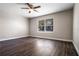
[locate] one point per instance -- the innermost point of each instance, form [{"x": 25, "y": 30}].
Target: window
[
  {"x": 41, "y": 25},
  {"x": 45, "y": 25}
]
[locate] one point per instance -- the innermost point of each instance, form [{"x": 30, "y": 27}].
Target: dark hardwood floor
[{"x": 36, "y": 47}]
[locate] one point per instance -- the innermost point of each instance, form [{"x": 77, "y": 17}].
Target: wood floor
[{"x": 36, "y": 47}]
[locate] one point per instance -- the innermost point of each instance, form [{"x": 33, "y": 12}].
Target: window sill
[{"x": 45, "y": 31}]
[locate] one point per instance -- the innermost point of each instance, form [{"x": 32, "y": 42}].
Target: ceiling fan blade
[
  {"x": 35, "y": 10},
  {"x": 24, "y": 8},
  {"x": 25, "y": 3},
  {"x": 29, "y": 5},
  {"x": 37, "y": 7}
]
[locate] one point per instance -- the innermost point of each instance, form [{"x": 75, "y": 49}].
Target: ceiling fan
[{"x": 31, "y": 7}]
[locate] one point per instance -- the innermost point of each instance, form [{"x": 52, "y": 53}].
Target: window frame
[{"x": 44, "y": 26}]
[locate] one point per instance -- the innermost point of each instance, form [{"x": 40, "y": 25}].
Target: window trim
[{"x": 44, "y": 27}]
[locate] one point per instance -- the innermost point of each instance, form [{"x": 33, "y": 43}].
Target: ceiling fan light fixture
[{"x": 31, "y": 7}]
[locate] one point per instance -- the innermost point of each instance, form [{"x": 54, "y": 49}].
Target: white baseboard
[
  {"x": 12, "y": 38},
  {"x": 68, "y": 40},
  {"x": 76, "y": 47},
  {"x": 38, "y": 37}
]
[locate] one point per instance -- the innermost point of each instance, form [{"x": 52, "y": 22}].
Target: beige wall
[
  {"x": 13, "y": 28},
  {"x": 62, "y": 26},
  {"x": 76, "y": 27},
  {"x": 12, "y": 25}
]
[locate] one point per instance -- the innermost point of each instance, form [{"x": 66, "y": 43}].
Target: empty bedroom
[{"x": 39, "y": 29}]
